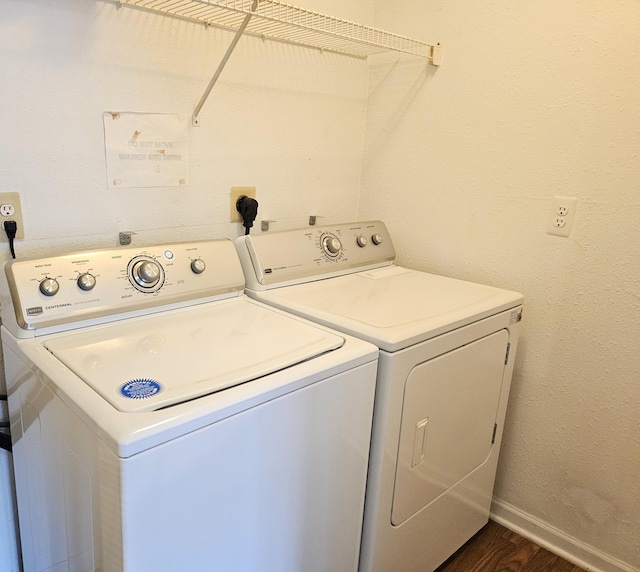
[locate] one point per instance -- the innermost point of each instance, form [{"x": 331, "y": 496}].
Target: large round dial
[
  {"x": 331, "y": 245},
  {"x": 49, "y": 286},
  {"x": 146, "y": 274}
]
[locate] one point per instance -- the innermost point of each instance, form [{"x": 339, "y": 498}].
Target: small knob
[
  {"x": 146, "y": 273},
  {"x": 332, "y": 245},
  {"x": 86, "y": 281},
  {"x": 49, "y": 286},
  {"x": 198, "y": 266},
  {"x": 362, "y": 241},
  {"x": 377, "y": 239}
]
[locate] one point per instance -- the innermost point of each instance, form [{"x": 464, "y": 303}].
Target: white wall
[
  {"x": 286, "y": 120},
  {"x": 534, "y": 99}
]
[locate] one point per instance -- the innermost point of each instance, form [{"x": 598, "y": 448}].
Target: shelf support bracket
[
  {"x": 435, "y": 54},
  {"x": 195, "y": 121}
]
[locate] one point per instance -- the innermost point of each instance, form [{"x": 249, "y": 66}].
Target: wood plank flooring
[{"x": 497, "y": 549}]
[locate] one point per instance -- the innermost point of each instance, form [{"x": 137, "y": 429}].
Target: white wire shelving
[{"x": 276, "y": 20}]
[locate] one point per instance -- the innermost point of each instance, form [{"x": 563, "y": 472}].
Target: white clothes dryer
[
  {"x": 444, "y": 372},
  {"x": 162, "y": 421}
]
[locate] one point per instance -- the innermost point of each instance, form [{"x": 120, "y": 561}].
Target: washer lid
[
  {"x": 392, "y": 307},
  {"x": 156, "y": 361}
]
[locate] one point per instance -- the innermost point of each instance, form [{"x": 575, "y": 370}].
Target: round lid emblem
[{"x": 142, "y": 388}]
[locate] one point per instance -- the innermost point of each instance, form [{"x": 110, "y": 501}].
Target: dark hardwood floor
[{"x": 497, "y": 549}]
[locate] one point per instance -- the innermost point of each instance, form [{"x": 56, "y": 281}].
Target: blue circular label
[{"x": 140, "y": 388}]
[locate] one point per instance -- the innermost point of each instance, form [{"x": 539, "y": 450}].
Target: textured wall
[
  {"x": 286, "y": 120},
  {"x": 532, "y": 100}
]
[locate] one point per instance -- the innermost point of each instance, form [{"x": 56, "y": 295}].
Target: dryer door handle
[{"x": 419, "y": 442}]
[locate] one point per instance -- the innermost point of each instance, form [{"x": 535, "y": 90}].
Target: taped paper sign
[{"x": 146, "y": 149}]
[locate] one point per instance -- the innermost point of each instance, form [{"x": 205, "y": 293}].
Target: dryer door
[{"x": 449, "y": 412}]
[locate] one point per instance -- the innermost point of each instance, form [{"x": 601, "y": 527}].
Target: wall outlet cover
[
  {"x": 10, "y": 209},
  {"x": 563, "y": 209}
]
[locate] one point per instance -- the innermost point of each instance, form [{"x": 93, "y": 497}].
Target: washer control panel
[
  {"x": 273, "y": 258},
  {"x": 60, "y": 290}
]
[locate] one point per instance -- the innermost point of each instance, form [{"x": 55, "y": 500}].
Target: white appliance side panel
[
  {"x": 450, "y": 406},
  {"x": 67, "y": 482},
  {"x": 9, "y": 558},
  {"x": 279, "y": 487}
]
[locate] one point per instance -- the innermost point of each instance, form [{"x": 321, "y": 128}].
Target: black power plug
[
  {"x": 248, "y": 209},
  {"x": 11, "y": 228}
]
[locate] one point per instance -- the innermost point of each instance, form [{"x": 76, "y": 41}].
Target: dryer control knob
[
  {"x": 146, "y": 273},
  {"x": 86, "y": 281},
  {"x": 362, "y": 241},
  {"x": 377, "y": 239},
  {"x": 198, "y": 266},
  {"x": 49, "y": 286},
  {"x": 331, "y": 245}
]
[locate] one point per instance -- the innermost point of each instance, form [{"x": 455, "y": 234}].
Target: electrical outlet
[
  {"x": 234, "y": 194},
  {"x": 10, "y": 209},
  {"x": 563, "y": 209}
]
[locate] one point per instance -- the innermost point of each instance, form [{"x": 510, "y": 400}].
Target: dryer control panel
[
  {"x": 55, "y": 292},
  {"x": 301, "y": 255}
]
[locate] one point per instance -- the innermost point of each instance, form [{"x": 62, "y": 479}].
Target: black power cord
[
  {"x": 5, "y": 438},
  {"x": 5, "y": 441},
  {"x": 248, "y": 209},
  {"x": 11, "y": 228}
]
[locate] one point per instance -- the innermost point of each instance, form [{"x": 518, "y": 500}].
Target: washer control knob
[
  {"x": 198, "y": 266},
  {"x": 146, "y": 273},
  {"x": 362, "y": 241},
  {"x": 377, "y": 239},
  {"x": 49, "y": 286},
  {"x": 86, "y": 281}
]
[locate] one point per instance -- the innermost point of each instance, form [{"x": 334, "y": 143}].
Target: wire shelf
[{"x": 283, "y": 22}]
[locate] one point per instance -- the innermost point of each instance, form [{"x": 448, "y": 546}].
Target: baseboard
[{"x": 554, "y": 540}]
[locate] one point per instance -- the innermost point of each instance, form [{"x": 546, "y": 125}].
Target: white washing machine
[
  {"x": 446, "y": 357},
  {"x": 162, "y": 421}
]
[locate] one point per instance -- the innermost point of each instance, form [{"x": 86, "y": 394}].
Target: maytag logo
[{"x": 35, "y": 311}]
